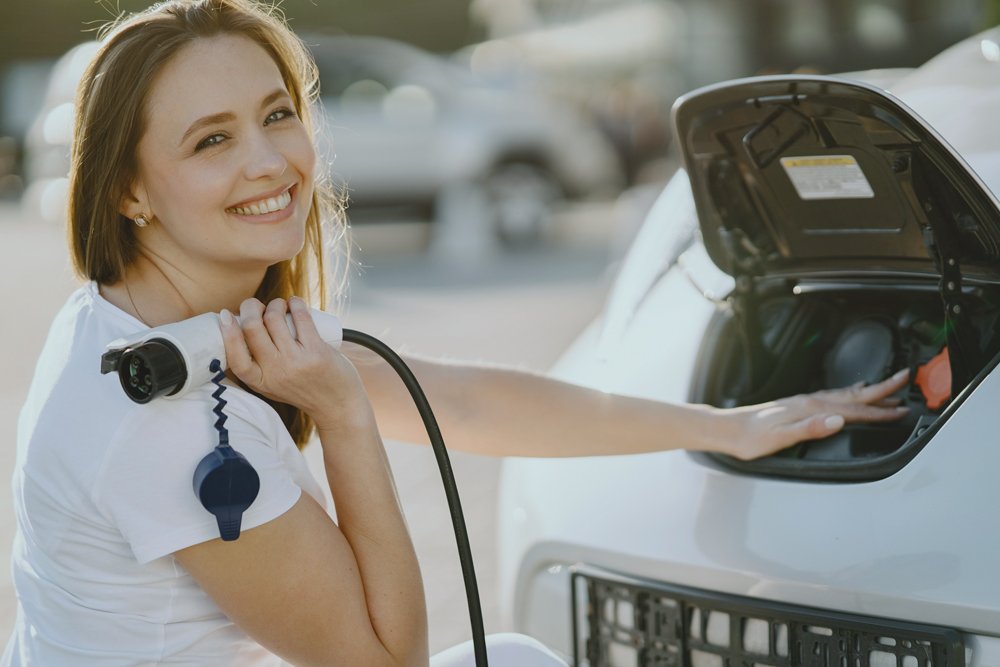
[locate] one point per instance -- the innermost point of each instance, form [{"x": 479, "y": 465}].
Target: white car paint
[{"x": 918, "y": 545}]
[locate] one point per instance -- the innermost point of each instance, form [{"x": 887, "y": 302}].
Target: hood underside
[{"x": 796, "y": 175}]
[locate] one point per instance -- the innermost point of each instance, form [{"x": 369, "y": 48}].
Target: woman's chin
[
  {"x": 264, "y": 260},
  {"x": 283, "y": 248}
]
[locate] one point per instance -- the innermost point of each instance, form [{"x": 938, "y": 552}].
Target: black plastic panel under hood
[{"x": 795, "y": 175}]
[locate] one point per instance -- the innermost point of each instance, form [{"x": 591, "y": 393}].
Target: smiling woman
[{"x": 193, "y": 190}]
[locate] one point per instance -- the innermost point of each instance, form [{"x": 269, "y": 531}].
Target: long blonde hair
[{"x": 109, "y": 123}]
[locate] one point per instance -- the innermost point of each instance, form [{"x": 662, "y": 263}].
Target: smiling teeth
[{"x": 265, "y": 205}]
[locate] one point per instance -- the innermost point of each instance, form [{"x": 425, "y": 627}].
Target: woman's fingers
[
  {"x": 890, "y": 402},
  {"x": 305, "y": 328},
  {"x": 298, "y": 369},
  {"x": 870, "y": 393},
  {"x": 258, "y": 339},
  {"x": 277, "y": 326},
  {"x": 870, "y": 413},
  {"x": 886, "y": 387},
  {"x": 238, "y": 356},
  {"x": 819, "y": 415},
  {"x": 810, "y": 428},
  {"x": 873, "y": 403}
]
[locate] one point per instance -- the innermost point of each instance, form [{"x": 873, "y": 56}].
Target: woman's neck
[{"x": 157, "y": 292}]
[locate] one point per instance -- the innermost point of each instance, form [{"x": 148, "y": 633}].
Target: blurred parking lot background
[{"x": 498, "y": 156}]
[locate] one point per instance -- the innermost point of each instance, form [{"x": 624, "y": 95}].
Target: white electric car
[{"x": 823, "y": 231}]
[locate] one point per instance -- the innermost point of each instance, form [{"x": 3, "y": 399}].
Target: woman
[{"x": 193, "y": 190}]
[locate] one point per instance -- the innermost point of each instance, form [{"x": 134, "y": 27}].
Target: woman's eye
[
  {"x": 211, "y": 140},
  {"x": 279, "y": 114}
]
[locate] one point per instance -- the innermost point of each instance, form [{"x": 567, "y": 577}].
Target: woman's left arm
[{"x": 505, "y": 412}]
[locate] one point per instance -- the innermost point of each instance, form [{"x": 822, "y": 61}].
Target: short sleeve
[{"x": 145, "y": 484}]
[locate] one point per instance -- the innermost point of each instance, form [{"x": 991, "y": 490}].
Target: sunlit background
[{"x": 498, "y": 156}]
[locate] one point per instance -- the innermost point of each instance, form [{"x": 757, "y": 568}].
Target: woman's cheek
[{"x": 305, "y": 154}]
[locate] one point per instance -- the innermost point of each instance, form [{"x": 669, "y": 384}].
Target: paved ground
[{"x": 436, "y": 303}]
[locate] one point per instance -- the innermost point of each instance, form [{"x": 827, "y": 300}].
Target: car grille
[{"x": 619, "y": 621}]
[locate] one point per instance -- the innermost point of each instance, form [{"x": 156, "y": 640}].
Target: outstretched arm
[{"x": 504, "y": 412}]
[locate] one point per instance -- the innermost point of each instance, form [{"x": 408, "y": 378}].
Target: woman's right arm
[
  {"x": 308, "y": 589},
  {"x": 496, "y": 411}
]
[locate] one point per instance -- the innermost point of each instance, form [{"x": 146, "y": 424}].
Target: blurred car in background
[
  {"x": 823, "y": 232},
  {"x": 47, "y": 144},
  {"x": 22, "y": 89},
  {"x": 410, "y": 131},
  {"x": 623, "y": 63}
]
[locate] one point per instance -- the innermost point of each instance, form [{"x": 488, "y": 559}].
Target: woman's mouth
[{"x": 264, "y": 206}]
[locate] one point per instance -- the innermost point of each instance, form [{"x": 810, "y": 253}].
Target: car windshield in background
[{"x": 346, "y": 62}]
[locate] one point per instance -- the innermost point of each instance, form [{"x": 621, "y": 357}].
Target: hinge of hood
[
  {"x": 963, "y": 348},
  {"x": 746, "y": 268}
]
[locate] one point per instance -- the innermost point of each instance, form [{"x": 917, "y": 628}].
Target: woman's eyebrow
[
  {"x": 276, "y": 94},
  {"x": 223, "y": 117},
  {"x": 227, "y": 116}
]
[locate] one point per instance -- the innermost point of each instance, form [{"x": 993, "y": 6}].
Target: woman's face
[{"x": 225, "y": 165}]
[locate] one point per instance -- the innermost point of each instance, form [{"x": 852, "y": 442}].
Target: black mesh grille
[{"x": 619, "y": 621}]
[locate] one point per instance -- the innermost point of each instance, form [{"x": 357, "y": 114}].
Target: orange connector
[{"x": 934, "y": 380}]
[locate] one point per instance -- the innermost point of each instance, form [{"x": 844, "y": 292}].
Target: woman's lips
[
  {"x": 261, "y": 206},
  {"x": 267, "y": 209}
]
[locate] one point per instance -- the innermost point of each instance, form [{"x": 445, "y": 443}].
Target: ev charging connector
[{"x": 171, "y": 360}]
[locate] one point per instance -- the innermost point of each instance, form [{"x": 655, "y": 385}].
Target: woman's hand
[
  {"x": 301, "y": 370},
  {"x": 759, "y": 430}
]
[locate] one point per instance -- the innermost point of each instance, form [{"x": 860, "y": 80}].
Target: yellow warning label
[
  {"x": 827, "y": 177},
  {"x": 841, "y": 160}
]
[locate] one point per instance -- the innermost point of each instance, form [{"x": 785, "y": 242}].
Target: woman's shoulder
[
  {"x": 144, "y": 483},
  {"x": 202, "y": 408},
  {"x": 87, "y": 298},
  {"x": 87, "y": 321}
]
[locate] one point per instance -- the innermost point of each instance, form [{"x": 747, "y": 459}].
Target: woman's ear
[{"x": 132, "y": 203}]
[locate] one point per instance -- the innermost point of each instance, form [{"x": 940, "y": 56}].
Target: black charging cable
[{"x": 447, "y": 478}]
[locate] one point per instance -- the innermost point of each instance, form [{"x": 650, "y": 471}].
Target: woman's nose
[{"x": 265, "y": 159}]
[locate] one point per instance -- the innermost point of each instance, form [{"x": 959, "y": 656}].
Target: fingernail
[
  {"x": 902, "y": 410},
  {"x": 834, "y": 422},
  {"x": 296, "y": 303},
  {"x": 226, "y": 317},
  {"x": 901, "y": 374}
]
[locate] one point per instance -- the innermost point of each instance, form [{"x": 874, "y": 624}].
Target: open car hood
[{"x": 812, "y": 175}]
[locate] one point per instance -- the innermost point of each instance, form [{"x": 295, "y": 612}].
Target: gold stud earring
[{"x": 140, "y": 220}]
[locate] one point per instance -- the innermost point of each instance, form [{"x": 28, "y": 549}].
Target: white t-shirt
[{"x": 103, "y": 496}]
